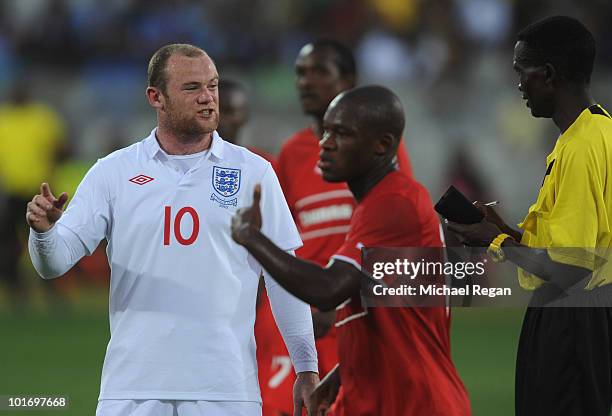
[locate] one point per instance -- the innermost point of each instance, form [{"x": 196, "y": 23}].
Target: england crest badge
[{"x": 226, "y": 184}]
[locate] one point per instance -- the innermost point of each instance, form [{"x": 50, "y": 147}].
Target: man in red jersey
[
  {"x": 393, "y": 361},
  {"x": 322, "y": 210}
]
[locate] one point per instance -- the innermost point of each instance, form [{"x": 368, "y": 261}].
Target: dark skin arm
[
  {"x": 324, "y": 288},
  {"x": 322, "y": 322},
  {"x": 534, "y": 261}
]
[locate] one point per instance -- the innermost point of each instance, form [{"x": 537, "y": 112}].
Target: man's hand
[
  {"x": 477, "y": 235},
  {"x": 45, "y": 209},
  {"x": 303, "y": 387},
  {"x": 325, "y": 394},
  {"x": 248, "y": 219},
  {"x": 492, "y": 216}
]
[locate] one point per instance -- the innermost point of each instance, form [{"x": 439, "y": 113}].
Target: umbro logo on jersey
[{"x": 141, "y": 179}]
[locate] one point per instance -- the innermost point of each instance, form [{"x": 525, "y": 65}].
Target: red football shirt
[
  {"x": 395, "y": 361},
  {"x": 322, "y": 212}
]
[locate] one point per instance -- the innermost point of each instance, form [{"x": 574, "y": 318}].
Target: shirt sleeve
[
  {"x": 578, "y": 214},
  {"x": 294, "y": 320},
  {"x": 78, "y": 232},
  {"x": 89, "y": 212},
  {"x": 277, "y": 222},
  {"x": 54, "y": 252}
]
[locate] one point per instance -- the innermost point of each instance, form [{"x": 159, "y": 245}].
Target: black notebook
[{"x": 454, "y": 206}]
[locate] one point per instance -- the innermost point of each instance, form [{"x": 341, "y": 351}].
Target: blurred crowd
[
  {"x": 404, "y": 39},
  {"x": 72, "y": 79}
]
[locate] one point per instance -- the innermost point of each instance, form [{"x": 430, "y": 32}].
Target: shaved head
[
  {"x": 377, "y": 109},
  {"x": 362, "y": 128}
]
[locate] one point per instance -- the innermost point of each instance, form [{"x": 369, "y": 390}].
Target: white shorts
[{"x": 176, "y": 408}]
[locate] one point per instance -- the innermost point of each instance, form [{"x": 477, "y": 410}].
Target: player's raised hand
[
  {"x": 248, "y": 219},
  {"x": 45, "y": 209}
]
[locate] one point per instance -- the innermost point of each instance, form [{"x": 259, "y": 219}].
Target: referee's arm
[
  {"x": 539, "y": 263},
  {"x": 533, "y": 260}
]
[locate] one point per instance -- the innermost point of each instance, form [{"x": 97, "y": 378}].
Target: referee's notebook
[{"x": 456, "y": 207}]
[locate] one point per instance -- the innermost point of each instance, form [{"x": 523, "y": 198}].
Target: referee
[{"x": 564, "y": 354}]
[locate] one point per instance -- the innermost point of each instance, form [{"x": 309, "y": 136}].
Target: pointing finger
[
  {"x": 256, "y": 194},
  {"x": 45, "y": 191}
]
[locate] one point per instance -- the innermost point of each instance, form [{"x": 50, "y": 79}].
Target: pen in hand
[{"x": 487, "y": 204}]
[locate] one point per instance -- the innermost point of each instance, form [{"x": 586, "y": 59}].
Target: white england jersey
[{"x": 182, "y": 295}]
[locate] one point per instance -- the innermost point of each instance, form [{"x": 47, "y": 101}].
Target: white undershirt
[{"x": 184, "y": 163}]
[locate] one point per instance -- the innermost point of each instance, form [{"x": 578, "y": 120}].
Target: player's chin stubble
[{"x": 188, "y": 129}]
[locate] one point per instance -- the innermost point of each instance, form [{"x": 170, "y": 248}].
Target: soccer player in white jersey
[{"x": 182, "y": 295}]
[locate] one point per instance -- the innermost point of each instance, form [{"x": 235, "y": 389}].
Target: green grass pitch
[{"x": 45, "y": 353}]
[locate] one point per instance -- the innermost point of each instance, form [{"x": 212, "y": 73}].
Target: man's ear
[
  {"x": 156, "y": 98},
  {"x": 384, "y": 144},
  {"x": 550, "y": 74},
  {"x": 348, "y": 82}
]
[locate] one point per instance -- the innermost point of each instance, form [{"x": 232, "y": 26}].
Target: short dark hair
[
  {"x": 563, "y": 42},
  {"x": 378, "y": 110},
  {"x": 345, "y": 61},
  {"x": 156, "y": 72}
]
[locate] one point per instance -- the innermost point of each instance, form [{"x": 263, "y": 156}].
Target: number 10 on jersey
[{"x": 177, "y": 225}]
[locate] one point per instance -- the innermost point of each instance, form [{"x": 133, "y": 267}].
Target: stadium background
[{"x": 449, "y": 60}]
